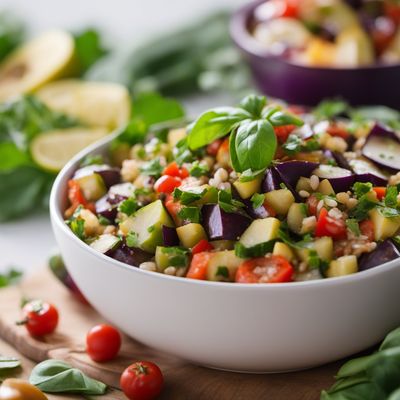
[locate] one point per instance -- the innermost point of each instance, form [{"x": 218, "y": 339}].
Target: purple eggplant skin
[
  {"x": 385, "y": 251},
  {"x": 382, "y": 130},
  {"x": 338, "y": 158},
  {"x": 370, "y": 177},
  {"x": 291, "y": 171},
  {"x": 272, "y": 180},
  {"x": 131, "y": 256},
  {"x": 220, "y": 225},
  {"x": 106, "y": 209},
  {"x": 111, "y": 175},
  {"x": 169, "y": 235},
  {"x": 341, "y": 179},
  {"x": 342, "y": 184},
  {"x": 256, "y": 213}
]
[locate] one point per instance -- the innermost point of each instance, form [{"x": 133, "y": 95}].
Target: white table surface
[{"x": 27, "y": 243}]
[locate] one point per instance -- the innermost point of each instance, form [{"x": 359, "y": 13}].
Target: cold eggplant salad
[{"x": 258, "y": 193}]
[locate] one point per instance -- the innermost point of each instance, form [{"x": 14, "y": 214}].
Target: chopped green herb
[
  {"x": 257, "y": 200},
  {"x": 360, "y": 211},
  {"x": 151, "y": 228},
  {"x": 152, "y": 168},
  {"x": 177, "y": 256},
  {"x": 360, "y": 188},
  {"x": 128, "y": 206},
  {"x": 329, "y": 109},
  {"x": 391, "y": 196},
  {"x": 191, "y": 214},
  {"x": 188, "y": 196},
  {"x": 388, "y": 212},
  {"x": 258, "y": 250},
  {"x": 132, "y": 239},
  {"x": 228, "y": 204},
  {"x": 352, "y": 225},
  {"x": 103, "y": 220},
  {"x": 182, "y": 153},
  {"x": 11, "y": 277},
  {"x": 78, "y": 227},
  {"x": 197, "y": 170},
  {"x": 294, "y": 144},
  {"x": 249, "y": 175},
  {"x": 222, "y": 271}
]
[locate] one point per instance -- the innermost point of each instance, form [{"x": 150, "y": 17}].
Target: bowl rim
[
  {"x": 247, "y": 43},
  {"x": 102, "y": 144}
]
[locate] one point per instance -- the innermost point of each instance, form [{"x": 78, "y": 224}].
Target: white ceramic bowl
[{"x": 240, "y": 327}]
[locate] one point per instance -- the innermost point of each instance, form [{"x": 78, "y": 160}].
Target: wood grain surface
[{"x": 183, "y": 381}]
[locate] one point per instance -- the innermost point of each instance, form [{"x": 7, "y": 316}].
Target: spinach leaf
[
  {"x": 55, "y": 376},
  {"x": 214, "y": 124},
  {"x": 9, "y": 363},
  {"x": 255, "y": 145}
]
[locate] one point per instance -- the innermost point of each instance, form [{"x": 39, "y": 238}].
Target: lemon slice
[
  {"x": 94, "y": 103},
  {"x": 52, "y": 150},
  {"x": 44, "y": 58}
]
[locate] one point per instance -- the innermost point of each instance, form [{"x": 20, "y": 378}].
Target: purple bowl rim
[{"x": 248, "y": 44}]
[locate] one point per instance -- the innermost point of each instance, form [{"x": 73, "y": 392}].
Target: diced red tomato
[
  {"x": 173, "y": 169},
  {"x": 337, "y": 130},
  {"x": 383, "y": 34},
  {"x": 167, "y": 184},
  {"x": 198, "y": 266},
  {"x": 312, "y": 204},
  {"x": 212, "y": 148},
  {"x": 283, "y": 132},
  {"x": 380, "y": 192},
  {"x": 367, "y": 229},
  {"x": 392, "y": 10},
  {"x": 76, "y": 198},
  {"x": 328, "y": 226},
  {"x": 223, "y": 157},
  {"x": 269, "y": 269},
  {"x": 269, "y": 209},
  {"x": 203, "y": 245},
  {"x": 286, "y": 8},
  {"x": 173, "y": 208}
]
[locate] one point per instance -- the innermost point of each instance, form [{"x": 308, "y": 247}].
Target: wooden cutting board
[{"x": 182, "y": 380}]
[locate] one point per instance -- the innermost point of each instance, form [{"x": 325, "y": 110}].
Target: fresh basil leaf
[
  {"x": 12, "y": 157},
  {"x": 391, "y": 340},
  {"x": 9, "y": 363},
  {"x": 257, "y": 200},
  {"x": 214, "y": 124},
  {"x": 254, "y": 105},
  {"x": 352, "y": 224},
  {"x": 89, "y": 48},
  {"x": 232, "y": 151},
  {"x": 280, "y": 118},
  {"x": 395, "y": 395},
  {"x": 249, "y": 175},
  {"x": 329, "y": 109},
  {"x": 191, "y": 214},
  {"x": 55, "y": 376},
  {"x": 10, "y": 277},
  {"x": 363, "y": 391},
  {"x": 259, "y": 250},
  {"x": 255, "y": 145}
]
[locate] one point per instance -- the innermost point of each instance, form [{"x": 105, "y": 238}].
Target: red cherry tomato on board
[
  {"x": 142, "y": 380},
  {"x": 167, "y": 184},
  {"x": 269, "y": 269},
  {"x": 103, "y": 343},
  {"x": 328, "y": 226},
  {"x": 40, "y": 318}
]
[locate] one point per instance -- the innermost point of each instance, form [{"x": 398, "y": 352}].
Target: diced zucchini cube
[
  {"x": 191, "y": 234},
  {"x": 280, "y": 200},
  {"x": 247, "y": 189},
  {"x": 223, "y": 265},
  {"x": 260, "y": 231},
  {"x": 282, "y": 249},
  {"x": 345, "y": 265},
  {"x": 295, "y": 217},
  {"x": 325, "y": 188},
  {"x": 383, "y": 227},
  {"x": 170, "y": 257},
  {"x": 323, "y": 246},
  {"x": 92, "y": 186}
]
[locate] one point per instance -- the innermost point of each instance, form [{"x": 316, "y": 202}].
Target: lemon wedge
[
  {"x": 94, "y": 103},
  {"x": 52, "y": 150},
  {"x": 47, "y": 57}
]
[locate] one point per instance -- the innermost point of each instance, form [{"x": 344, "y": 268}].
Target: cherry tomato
[
  {"x": 198, "y": 266},
  {"x": 212, "y": 148},
  {"x": 283, "y": 132},
  {"x": 39, "y": 317},
  {"x": 312, "y": 204},
  {"x": 103, "y": 343},
  {"x": 367, "y": 229},
  {"x": 142, "y": 380},
  {"x": 203, "y": 245},
  {"x": 173, "y": 169},
  {"x": 268, "y": 269},
  {"x": 167, "y": 184},
  {"x": 328, "y": 226},
  {"x": 380, "y": 192}
]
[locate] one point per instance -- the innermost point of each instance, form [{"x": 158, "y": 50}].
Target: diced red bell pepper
[
  {"x": 201, "y": 246},
  {"x": 328, "y": 226},
  {"x": 198, "y": 266}
]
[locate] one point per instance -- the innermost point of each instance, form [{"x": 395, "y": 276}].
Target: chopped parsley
[
  {"x": 191, "y": 214},
  {"x": 103, "y": 220},
  {"x": 186, "y": 197},
  {"x": 259, "y": 250},
  {"x": 352, "y": 225},
  {"x": 249, "y": 175},
  {"x": 360, "y": 188},
  {"x": 77, "y": 224},
  {"x": 197, "y": 170},
  {"x": 152, "y": 168},
  {"x": 294, "y": 144},
  {"x": 177, "y": 256},
  {"x": 257, "y": 200},
  {"x": 222, "y": 271},
  {"x": 228, "y": 204},
  {"x": 128, "y": 206},
  {"x": 132, "y": 239},
  {"x": 151, "y": 228},
  {"x": 391, "y": 196},
  {"x": 360, "y": 211}
]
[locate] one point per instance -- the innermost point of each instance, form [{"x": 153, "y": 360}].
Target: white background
[{"x": 28, "y": 242}]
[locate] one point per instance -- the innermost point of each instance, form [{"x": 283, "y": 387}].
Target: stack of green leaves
[{"x": 373, "y": 377}]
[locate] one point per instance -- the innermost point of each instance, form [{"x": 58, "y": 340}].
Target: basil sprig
[
  {"x": 253, "y": 141},
  {"x": 55, "y": 376}
]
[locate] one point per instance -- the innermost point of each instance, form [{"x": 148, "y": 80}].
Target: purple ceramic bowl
[{"x": 298, "y": 84}]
